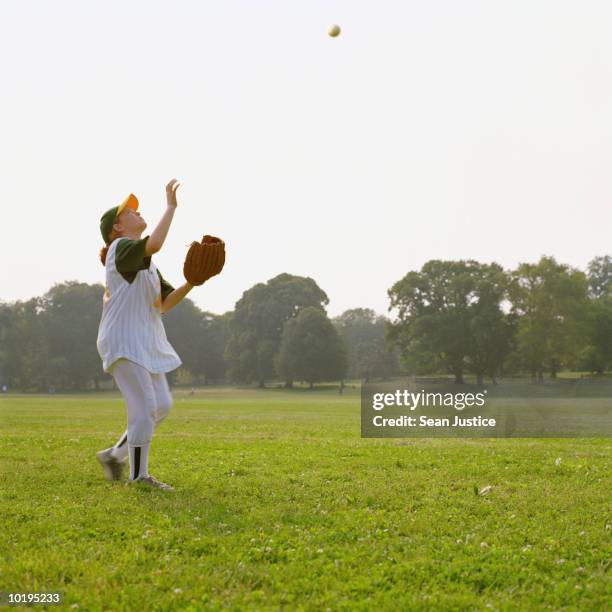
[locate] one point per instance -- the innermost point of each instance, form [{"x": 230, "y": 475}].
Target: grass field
[{"x": 279, "y": 504}]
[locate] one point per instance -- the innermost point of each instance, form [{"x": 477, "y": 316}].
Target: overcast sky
[{"x": 438, "y": 129}]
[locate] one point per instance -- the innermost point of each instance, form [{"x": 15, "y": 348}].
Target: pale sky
[{"x": 438, "y": 129}]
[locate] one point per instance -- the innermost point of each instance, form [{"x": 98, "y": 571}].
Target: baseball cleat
[
  {"x": 113, "y": 467},
  {"x": 150, "y": 481}
]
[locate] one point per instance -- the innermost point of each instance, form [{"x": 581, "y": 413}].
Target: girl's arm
[
  {"x": 175, "y": 297},
  {"x": 157, "y": 238}
]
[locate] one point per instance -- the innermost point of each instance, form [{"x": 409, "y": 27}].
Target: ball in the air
[{"x": 334, "y": 31}]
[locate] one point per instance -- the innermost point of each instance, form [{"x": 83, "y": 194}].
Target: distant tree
[
  {"x": 550, "y": 301},
  {"x": 6, "y": 323},
  {"x": 183, "y": 325},
  {"x": 70, "y": 314},
  {"x": 257, "y": 323},
  {"x": 5, "y": 314},
  {"x": 369, "y": 354},
  {"x": 200, "y": 339},
  {"x": 311, "y": 349},
  {"x": 450, "y": 317},
  {"x": 597, "y": 355},
  {"x": 491, "y": 329},
  {"x": 214, "y": 338},
  {"x": 23, "y": 348},
  {"x": 600, "y": 276}
]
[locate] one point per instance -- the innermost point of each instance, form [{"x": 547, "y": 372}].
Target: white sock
[
  {"x": 120, "y": 450},
  {"x": 139, "y": 460}
]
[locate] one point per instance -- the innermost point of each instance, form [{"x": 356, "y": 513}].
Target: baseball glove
[{"x": 204, "y": 260}]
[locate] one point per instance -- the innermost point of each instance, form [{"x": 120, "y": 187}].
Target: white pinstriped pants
[{"x": 148, "y": 400}]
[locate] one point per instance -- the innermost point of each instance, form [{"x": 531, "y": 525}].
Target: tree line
[
  {"x": 279, "y": 330},
  {"x": 451, "y": 317},
  {"x": 465, "y": 316}
]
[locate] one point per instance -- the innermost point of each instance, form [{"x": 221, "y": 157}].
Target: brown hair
[
  {"x": 103, "y": 252},
  {"x": 104, "y": 249}
]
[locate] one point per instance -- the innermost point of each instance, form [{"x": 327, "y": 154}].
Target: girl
[{"x": 131, "y": 338}]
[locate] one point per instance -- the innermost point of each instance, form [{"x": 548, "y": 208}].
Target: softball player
[{"x": 131, "y": 339}]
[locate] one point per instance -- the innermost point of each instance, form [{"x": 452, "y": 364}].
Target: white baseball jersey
[{"x": 131, "y": 324}]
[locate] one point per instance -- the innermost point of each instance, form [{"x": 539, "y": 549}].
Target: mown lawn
[{"x": 279, "y": 504}]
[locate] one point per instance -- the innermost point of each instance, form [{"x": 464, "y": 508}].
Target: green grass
[{"x": 279, "y": 504}]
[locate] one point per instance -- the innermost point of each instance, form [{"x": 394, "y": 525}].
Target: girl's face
[{"x": 130, "y": 222}]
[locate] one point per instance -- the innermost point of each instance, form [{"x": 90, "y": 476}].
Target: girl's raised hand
[{"x": 171, "y": 188}]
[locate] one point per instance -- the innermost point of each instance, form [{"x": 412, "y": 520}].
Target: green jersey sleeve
[
  {"x": 166, "y": 287},
  {"x": 130, "y": 256}
]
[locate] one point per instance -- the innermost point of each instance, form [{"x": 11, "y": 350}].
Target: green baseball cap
[{"x": 108, "y": 218}]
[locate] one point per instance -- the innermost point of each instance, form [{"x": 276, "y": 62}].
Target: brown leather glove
[{"x": 204, "y": 260}]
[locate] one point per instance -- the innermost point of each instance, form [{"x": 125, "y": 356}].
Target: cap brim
[{"x": 130, "y": 202}]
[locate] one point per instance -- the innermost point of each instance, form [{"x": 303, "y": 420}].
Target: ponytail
[
  {"x": 103, "y": 252},
  {"x": 104, "y": 249}
]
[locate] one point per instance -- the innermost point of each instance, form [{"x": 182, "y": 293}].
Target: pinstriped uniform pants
[{"x": 147, "y": 397}]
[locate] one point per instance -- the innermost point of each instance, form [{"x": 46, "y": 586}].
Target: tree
[
  {"x": 449, "y": 317},
  {"x": 369, "y": 354},
  {"x": 214, "y": 338},
  {"x": 70, "y": 313},
  {"x": 183, "y": 325},
  {"x": 311, "y": 349},
  {"x": 491, "y": 329},
  {"x": 597, "y": 356},
  {"x": 600, "y": 276},
  {"x": 23, "y": 349},
  {"x": 200, "y": 338},
  {"x": 257, "y": 323},
  {"x": 550, "y": 301}
]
